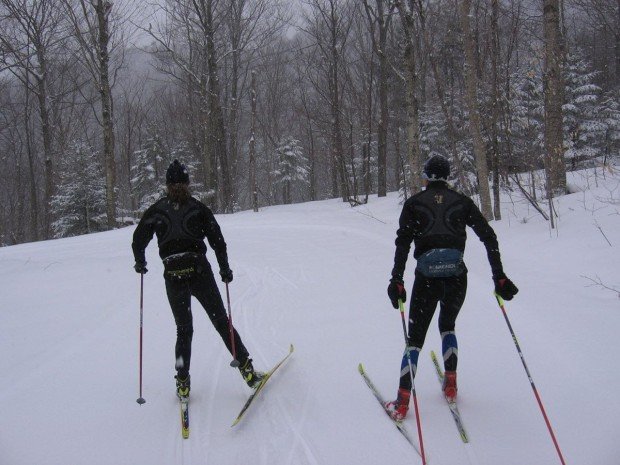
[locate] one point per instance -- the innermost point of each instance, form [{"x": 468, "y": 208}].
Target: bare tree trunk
[
  {"x": 217, "y": 145},
  {"x": 252, "y": 167},
  {"x": 379, "y": 21},
  {"x": 413, "y": 109},
  {"x": 309, "y": 128},
  {"x": 495, "y": 102},
  {"x": 401, "y": 163},
  {"x": 20, "y": 204},
  {"x": 235, "y": 38},
  {"x": 336, "y": 133},
  {"x": 471, "y": 96},
  {"x": 382, "y": 129},
  {"x": 195, "y": 119},
  {"x": 34, "y": 203},
  {"x": 41, "y": 82},
  {"x": 554, "y": 99},
  {"x": 312, "y": 156},
  {"x": 336, "y": 138},
  {"x": 368, "y": 144},
  {"x": 353, "y": 197},
  {"x": 617, "y": 43},
  {"x": 366, "y": 170},
  {"x": 102, "y": 9},
  {"x": 209, "y": 163}
]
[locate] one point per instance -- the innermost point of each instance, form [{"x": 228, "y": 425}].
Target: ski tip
[
  {"x": 360, "y": 368},
  {"x": 291, "y": 348}
]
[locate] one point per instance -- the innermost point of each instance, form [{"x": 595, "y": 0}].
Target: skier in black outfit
[
  {"x": 181, "y": 223},
  {"x": 435, "y": 220}
]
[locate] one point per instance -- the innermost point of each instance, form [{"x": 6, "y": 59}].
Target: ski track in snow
[{"x": 259, "y": 290}]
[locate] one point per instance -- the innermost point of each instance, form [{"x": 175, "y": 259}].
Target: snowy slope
[{"x": 314, "y": 274}]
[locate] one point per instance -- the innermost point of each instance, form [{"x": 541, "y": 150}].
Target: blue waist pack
[{"x": 441, "y": 263}]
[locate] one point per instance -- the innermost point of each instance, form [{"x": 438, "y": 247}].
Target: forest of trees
[{"x": 274, "y": 101}]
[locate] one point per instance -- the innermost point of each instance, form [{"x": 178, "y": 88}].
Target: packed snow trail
[{"x": 313, "y": 274}]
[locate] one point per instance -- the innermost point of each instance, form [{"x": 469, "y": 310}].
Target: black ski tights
[
  {"x": 204, "y": 288},
  {"x": 426, "y": 294}
]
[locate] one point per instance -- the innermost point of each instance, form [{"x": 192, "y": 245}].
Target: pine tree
[
  {"x": 79, "y": 206},
  {"x": 609, "y": 115},
  {"x": 527, "y": 119},
  {"x": 433, "y": 138},
  {"x": 584, "y": 133},
  {"x": 292, "y": 169},
  {"x": 182, "y": 153},
  {"x": 147, "y": 172}
]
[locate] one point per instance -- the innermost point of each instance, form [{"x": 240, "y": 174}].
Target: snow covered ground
[{"x": 315, "y": 274}]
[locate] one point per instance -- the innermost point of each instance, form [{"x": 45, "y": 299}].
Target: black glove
[
  {"x": 504, "y": 287},
  {"x": 396, "y": 291},
  {"x": 140, "y": 267},
  {"x": 226, "y": 274}
]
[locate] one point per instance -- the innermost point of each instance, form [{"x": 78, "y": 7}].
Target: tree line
[{"x": 271, "y": 102}]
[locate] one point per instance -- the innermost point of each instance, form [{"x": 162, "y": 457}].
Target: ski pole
[
  {"x": 231, "y": 330},
  {"x": 140, "y": 399},
  {"x": 401, "y": 306},
  {"x": 500, "y": 302}
]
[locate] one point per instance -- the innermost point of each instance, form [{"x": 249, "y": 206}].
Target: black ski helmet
[
  {"x": 437, "y": 168},
  {"x": 177, "y": 173}
]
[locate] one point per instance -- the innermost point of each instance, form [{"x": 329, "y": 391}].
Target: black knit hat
[
  {"x": 436, "y": 168},
  {"x": 177, "y": 173}
]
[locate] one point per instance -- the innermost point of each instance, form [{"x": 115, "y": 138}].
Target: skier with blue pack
[{"x": 435, "y": 220}]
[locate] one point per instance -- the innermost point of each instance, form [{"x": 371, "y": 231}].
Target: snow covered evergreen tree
[
  {"x": 147, "y": 172},
  {"x": 609, "y": 115},
  {"x": 527, "y": 118},
  {"x": 79, "y": 206},
  {"x": 292, "y": 168},
  {"x": 433, "y": 137},
  {"x": 182, "y": 153},
  {"x": 584, "y": 132}
]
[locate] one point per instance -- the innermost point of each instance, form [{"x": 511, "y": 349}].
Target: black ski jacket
[
  {"x": 436, "y": 218},
  {"x": 180, "y": 228}
]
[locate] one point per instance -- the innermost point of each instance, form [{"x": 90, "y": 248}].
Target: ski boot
[
  {"x": 449, "y": 386},
  {"x": 182, "y": 387},
  {"x": 398, "y": 408},
  {"x": 250, "y": 376}
]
